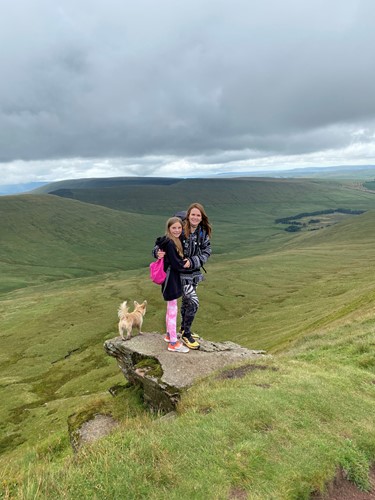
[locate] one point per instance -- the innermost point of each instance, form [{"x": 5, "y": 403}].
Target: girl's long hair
[
  {"x": 205, "y": 223},
  {"x": 169, "y": 235}
]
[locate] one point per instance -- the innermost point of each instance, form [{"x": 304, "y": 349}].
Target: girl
[{"x": 171, "y": 288}]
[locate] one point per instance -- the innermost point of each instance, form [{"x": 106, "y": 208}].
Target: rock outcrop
[
  {"x": 163, "y": 375},
  {"x": 90, "y": 430}
]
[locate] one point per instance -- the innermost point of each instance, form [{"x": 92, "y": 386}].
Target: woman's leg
[
  {"x": 171, "y": 319},
  {"x": 190, "y": 305},
  {"x": 182, "y": 312}
]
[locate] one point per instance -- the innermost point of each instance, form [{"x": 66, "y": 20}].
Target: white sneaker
[{"x": 178, "y": 347}]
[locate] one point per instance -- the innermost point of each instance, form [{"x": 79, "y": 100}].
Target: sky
[{"x": 184, "y": 88}]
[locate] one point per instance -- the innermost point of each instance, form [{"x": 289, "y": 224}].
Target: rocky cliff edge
[{"x": 163, "y": 375}]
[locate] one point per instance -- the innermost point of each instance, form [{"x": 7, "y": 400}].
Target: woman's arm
[
  {"x": 204, "y": 253},
  {"x": 175, "y": 261}
]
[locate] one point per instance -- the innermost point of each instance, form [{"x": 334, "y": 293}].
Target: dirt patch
[
  {"x": 205, "y": 410},
  {"x": 342, "y": 489},
  {"x": 237, "y": 494},
  {"x": 242, "y": 371}
]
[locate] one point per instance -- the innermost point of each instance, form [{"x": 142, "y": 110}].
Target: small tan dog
[{"x": 128, "y": 320}]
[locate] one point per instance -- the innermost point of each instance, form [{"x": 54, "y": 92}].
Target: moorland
[{"x": 72, "y": 251}]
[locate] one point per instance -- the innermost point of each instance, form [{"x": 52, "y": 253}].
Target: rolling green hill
[
  {"x": 242, "y": 210},
  {"x": 274, "y": 197},
  {"x": 45, "y": 238},
  {"x": 66, "y": 264}
]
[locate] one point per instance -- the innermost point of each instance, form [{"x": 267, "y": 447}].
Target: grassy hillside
[
  {"x": 279, "y": 432},
  {"x": 51, "y": 237},
  {"x": 274, "y": 197},
  {"x": 45, "y": 238},
  {"x": 307, "y": 298},
  {"x": 311, "y": 281},
  {"x": 243, "y": 210}
]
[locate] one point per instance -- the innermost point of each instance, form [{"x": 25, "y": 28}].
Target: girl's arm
[{"x": 158, "y": 250}]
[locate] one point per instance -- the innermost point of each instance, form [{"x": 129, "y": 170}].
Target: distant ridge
[
  {"x": 365, "y": 172},
  {"x": 9, "y": 189},
  {"x": 163, "y": 196},
  {"x": 104, "y": 182},
  {"x": 346, "y": 171}
]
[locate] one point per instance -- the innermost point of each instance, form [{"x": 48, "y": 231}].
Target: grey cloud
[{"x": 212, "y": 79}]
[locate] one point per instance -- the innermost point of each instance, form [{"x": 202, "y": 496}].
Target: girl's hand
[
  {"x": 187, "y": 263},
  {"x": 160, "y": 254}
]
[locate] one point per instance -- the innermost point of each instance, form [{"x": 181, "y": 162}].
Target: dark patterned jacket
[{"x": 197, "y": 248}]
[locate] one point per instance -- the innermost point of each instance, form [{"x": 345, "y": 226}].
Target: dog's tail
[{"x": 123, "y": 309}]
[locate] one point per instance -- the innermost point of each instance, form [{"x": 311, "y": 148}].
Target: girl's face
[
  {"x": 195, "y": 217},
  {"x": 176, "y": 229}
]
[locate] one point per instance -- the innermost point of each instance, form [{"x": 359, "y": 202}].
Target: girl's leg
[{"x": 171, "y": 319}]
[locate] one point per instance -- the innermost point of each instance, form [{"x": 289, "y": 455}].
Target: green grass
[
  {"x": 278, "y": 433},
  {"x": 48, "y": 238},
  {"x": 52, "y": 354}
]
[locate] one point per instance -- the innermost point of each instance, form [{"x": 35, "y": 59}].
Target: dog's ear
[
  {"x": 145, "y": 302},
  {"x": 136, "y": 303}
]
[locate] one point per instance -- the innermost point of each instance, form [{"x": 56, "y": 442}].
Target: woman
[
  {"x": 197, "y": 249},
  {"x": 171, "y": 245}
]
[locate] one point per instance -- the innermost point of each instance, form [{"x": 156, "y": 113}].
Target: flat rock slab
[{"x": 177, "y": 371}]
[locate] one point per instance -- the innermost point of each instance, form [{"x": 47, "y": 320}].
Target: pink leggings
[{"x": 171, "y": 319}]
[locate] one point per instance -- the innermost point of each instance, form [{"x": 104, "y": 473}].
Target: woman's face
[
  {"x": 176, "y": 229},
  {"x": 195, "y": 217}
]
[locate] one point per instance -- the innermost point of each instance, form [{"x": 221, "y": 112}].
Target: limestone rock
[
  {"x": 145, "y": 361},
  {"x": 91, "y": 430}
]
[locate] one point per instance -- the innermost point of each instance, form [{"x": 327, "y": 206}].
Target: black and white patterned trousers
[{"x": 189, "y": 306}]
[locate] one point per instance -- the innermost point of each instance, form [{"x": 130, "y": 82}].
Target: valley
[{"x": 68, "y": 260}]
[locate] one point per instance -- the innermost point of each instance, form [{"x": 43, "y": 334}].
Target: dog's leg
[
  {"x": 121, "y": 332},
  {"x": 140, "y": 328}
]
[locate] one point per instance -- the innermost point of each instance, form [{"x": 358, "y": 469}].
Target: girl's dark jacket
[{"x": 173, "y": 266}]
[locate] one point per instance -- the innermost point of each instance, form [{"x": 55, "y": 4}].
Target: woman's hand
[{"x": 186, "y": 263}]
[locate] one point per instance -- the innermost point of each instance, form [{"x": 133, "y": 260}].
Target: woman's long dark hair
[{"x": 205, "y": 223}]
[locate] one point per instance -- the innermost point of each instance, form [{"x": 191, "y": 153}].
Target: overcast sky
[{"x": 93, "y": 88}]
